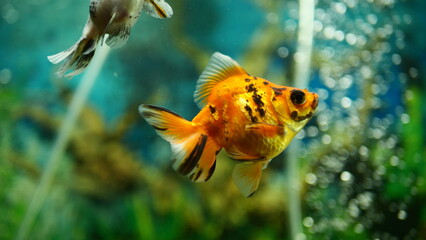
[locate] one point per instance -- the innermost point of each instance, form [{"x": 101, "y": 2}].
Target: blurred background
[{"x": 361, "y": 159}]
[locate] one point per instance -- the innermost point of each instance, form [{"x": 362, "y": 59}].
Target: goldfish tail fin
[
  {"x": 194, "y": 153},
  {"x": 247, "y": 177},
  {"x": 77, "y": 57},
  {"x": 158, "y": 8}
]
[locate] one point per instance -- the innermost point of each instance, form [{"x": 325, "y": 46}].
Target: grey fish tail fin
[{"x": 76, "y": 58}]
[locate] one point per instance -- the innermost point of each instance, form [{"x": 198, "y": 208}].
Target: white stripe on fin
[
  {"x": 158, "y": 8},
  {"x": 219, "y": 68},
  {"x": 118, "y": 32}
]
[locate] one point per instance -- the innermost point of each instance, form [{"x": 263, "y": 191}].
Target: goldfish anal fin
[
  {"x": 219, "y": 68},
  {"x": 158, "y": 8},
  {"x": 194, "y": 153},
  {"x": 266, "y": 129},
  {"x": 247, "y": 177}
]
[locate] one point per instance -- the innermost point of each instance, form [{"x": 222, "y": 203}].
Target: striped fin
[
  {"x": 247, "y": 177},
  {"x": 194, "y": 153},
  {"x": 76, "y": 58},
  {"x": 158, "y": 8},
  {"x": 207, "y": 163},
  {"x": 118, "y": 32},
  {"x": 219, "y": 68}
]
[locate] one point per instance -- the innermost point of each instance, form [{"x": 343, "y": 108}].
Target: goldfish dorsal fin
[
  {"x": 219, "y": 68},
  {"x": 247, "y": 177}
]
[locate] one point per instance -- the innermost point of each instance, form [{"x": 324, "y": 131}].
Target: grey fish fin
[
  {"x": 118, "y": 33},
  {"x": 77, "y": 57},
  {"x": 158, "y": 8}
]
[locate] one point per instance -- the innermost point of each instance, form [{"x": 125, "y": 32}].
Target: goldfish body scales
[{"x": 251, "y": 118}]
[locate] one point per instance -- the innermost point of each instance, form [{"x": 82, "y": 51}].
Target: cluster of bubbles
[{"x": 354, "y": 138}]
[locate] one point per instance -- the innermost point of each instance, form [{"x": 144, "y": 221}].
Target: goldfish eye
[{"x": 297, "y": 97}]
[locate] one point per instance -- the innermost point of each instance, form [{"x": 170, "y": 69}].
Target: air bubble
[
  {"x": 402, "y": 215},
  {"x": 272, "y": 18},
  {"x": 308, "y": 222},
  {"x": 351, "y": 38},
  {"x": 394, "y": 161},
  {"x": 5, "y": 76},
  {"x": 359, "y": 228},
  {"x": 339, "y": 35},
  {"x": 339, "y": 7},
  {"x": 326, "y": 139},
  {"x": 405, "y": 118},
  {"x": 329, "y": 32},
  {"x": 283, "y": 52},
  {"x": 345, "y": 82},
  {"x": 10, "y": 14},
  {"x": 346, "y": 102},
  {"x": 372, "y": 19},
  {"x": 366, "y": 71},
  {"x": 312, "y": 131},
  {"x": 396, "y": 59},
  {"x": 318, "y": 26},
  {"x": 407, "y": 18},
  {"x": 413, "y": 72},
  {"x": 301, "y": 134},
  {"x": 363, "y": 151},
  {"x": 311, "y": 179},
  {"x": 345, "y": 176}
]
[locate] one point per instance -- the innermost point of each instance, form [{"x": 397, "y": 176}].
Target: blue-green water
[{"x": 361, "y": 159}]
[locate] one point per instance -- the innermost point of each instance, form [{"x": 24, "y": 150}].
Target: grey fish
[{"x": 113, "y": 18}]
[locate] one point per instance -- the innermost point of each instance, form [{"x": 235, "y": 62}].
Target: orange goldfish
[
  {"x": 253, "y": 119},
  {"x": 114, "y": 18}
]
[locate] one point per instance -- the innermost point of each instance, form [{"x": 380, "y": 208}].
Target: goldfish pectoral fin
[
  {"x": 158, "y": 8},
  {"x": 237, "y": 155},
  {"x": 266, "y": 129},
  {"x": 219, "y": 68},
  {"x": 247, "y": 177},
  {"x": 194, "y": 153}
]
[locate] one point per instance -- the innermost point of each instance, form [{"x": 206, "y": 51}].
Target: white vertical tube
[
  {"x": 302, "y": 60},
  {"x": 62, "y": 139}
]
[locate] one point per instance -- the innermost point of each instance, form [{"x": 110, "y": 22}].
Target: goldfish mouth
[
  {"x": 295, "y": 116},
  {"x": 314, "y": 102}
]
